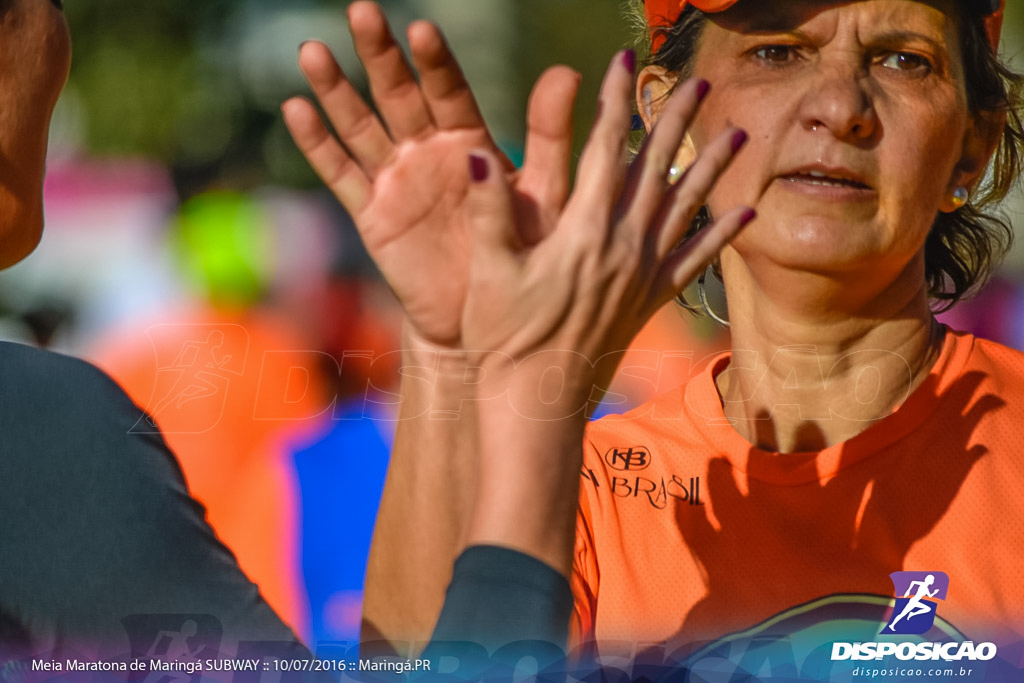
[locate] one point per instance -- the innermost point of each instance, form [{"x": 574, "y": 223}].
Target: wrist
[
  {"x": 437, "y": 379},
  {"x": 418, "y": 351},
  {"x": 549, "y": 385}
]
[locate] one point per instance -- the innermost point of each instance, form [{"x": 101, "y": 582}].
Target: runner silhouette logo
[{"x": 916, "y": 593}]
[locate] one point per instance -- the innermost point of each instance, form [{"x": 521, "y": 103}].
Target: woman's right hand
[
  {"x": 542, "y": 321},
  {"x": 402, "y": 174}
]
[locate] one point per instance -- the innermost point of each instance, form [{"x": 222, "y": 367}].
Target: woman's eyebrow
[
  {"x": 780, "y": 31},
  {"x": 903, "y": 37}
]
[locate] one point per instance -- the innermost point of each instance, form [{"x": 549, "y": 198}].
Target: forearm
[
  {"x": 427, "y": 497},
  {"x": 511, "y": 583},
  {"x": 530, "y": 458}
]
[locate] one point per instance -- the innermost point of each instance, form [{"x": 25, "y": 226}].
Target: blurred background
[{"x": 191, "y": 252}]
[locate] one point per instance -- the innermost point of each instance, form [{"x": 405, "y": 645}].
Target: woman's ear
[
  {"x": 653, "y": 86},
  {"x": 980, "y": 143}
]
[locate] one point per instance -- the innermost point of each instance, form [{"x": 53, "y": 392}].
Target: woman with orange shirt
[{"x": 847, "y": 439}]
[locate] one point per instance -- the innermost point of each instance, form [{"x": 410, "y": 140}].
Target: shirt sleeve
[
  {"x": 104, "y": 548},
  {"x": 585, "y": 573},
  {"x": 502, "y": 599},
  {"x": 584, "y": 582}
]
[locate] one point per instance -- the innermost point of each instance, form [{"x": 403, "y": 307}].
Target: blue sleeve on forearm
[{"x": 499, "y": 596}]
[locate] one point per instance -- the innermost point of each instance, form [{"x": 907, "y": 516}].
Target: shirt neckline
[{"x": 704, "y": 406}]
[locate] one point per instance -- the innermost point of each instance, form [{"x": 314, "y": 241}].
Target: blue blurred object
[{"x": 341, "y": 478}]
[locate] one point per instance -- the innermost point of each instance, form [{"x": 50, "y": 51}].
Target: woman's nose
[{"x": 838, "y": 100}]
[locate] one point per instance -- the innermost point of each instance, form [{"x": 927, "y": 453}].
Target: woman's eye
[
  {"x": 906, "y": 61},
  {"x": 776, "y": 54}
]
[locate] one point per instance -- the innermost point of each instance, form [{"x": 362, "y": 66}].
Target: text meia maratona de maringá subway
[{"x": 189, "y": 667}]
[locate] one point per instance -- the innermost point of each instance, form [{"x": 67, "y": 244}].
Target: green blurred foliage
[
  {"x": 579, "y": 33},
  {"x": 160, "y": 78},
  {"x": 157, "y": 79},
  {"x": 136, "y": 70}
]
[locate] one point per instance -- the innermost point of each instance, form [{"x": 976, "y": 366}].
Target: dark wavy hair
[{"x": 964, "y": 246}]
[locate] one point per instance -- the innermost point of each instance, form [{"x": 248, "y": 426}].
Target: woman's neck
[{"x": 815, "y": 361}]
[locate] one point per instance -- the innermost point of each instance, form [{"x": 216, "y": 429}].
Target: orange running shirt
[{"x": 687, "y": 533}]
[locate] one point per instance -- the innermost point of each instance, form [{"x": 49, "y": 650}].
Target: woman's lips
[
  {"x": 829, "y": 183},
  {"x": 824, "y": 179}
]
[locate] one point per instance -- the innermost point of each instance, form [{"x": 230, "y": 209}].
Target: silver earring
[
  {"x": 960, "y": 196},
  {"x": 674, "y": 174},
  {"x": 703, "y": 295}
]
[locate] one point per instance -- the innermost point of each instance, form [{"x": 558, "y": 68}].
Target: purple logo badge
[{"x": 916, "y": 595}]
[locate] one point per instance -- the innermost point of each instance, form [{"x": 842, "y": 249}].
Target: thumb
[{"x": 491, "y": 211}]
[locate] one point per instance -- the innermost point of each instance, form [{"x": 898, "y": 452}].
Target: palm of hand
[
  {"x": 415, "y": 228},
  {"x": 401, "y": 171}
]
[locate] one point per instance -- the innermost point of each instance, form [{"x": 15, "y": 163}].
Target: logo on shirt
[
  {"x": 628, "y": 459},
  {"x": 916, "y": 592},
  {"x": 656, "y": 488}
]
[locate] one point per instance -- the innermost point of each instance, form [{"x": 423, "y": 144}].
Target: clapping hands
[{"x": 403, "y": 174}]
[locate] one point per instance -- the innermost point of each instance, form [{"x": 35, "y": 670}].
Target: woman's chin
[
  {"x": 822, "y": 246},
  {"x": 19, "y": 236}
]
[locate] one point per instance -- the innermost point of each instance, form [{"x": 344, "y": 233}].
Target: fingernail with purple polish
[
  {"x": 703, "y": 87},
  {"x": 478, "y": 170},
  {"x": 629, "y": 60},
  {"x": 738, "y": 139},
  {"x": 748, "y": 216}
]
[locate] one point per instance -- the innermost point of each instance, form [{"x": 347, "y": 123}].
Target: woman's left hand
[
  {"x": 614, "y": 256},
  {"x": 545, "y": 322}
]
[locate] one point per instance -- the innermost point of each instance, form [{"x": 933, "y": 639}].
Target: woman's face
[
  {"x": 858, "y": 122},
  {"x": 35, "y": 53}
]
